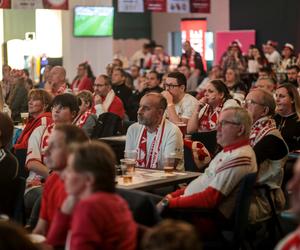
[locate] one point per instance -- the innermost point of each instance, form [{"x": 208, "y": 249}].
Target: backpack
[{"x": 107, "y": 124}]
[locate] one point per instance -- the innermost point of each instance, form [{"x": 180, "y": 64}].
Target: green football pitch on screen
[{"x": 93, "y": 25}]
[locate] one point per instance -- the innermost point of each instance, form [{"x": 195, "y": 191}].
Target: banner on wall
[
  {"x": 136, "y": 6},
  {"x": 155, "y": 5},
  {"x": 193, "y": 30},
  {"x": 223, "y": 39},
  {"x": 178, "y": 6},
  {"x": 4, "y": 4},
  {"x": 40, "y": 4},
  {"x": 200, "y": 6}
]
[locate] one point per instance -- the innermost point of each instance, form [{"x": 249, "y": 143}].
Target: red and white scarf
[
  {"x": 154, "y": 150},
  {"x": 106, "y": 102},
  {"x": 80, "y": 120},
  {"x": 208, "y": 120},
  {"x": 45, "y": 138},
  {"x": 260, "y": 128},
  {"x": 42, "y": 119}
]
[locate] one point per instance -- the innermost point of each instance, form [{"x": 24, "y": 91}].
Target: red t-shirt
[
  {"x": 100, "y": 221},
  {"x": 84, "y": 84},
  {"x": 53, "y": 197}
]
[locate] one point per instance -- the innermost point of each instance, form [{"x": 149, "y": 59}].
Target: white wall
[
  {"x": 163, "y": 23},
  {"x": 97, "y": 51}
]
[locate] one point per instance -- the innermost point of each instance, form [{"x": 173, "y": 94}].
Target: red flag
[
  {"x": 5, "y": 4},
  {"x": 200, "y": 6},
  {"x": 56, "y": 4},
  {"x": 155, "y": 5}
]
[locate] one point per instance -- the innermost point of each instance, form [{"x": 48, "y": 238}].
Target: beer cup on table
[
  {"x": 127, "y": 171},
  {"x": 169, "y": 161},
  {"x": 182, "y": 126},
  {"x": 24, "y": 118},
  {"x": 130, "y": 156}
]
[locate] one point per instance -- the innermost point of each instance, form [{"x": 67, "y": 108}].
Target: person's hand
[
  {"x": 201, "y": 103},
  {"x": 142, "y": 86},
  {"x": 159, "y": 207},
  {"x": 168, "y": 196},
  {"x": 69, "y": 204},
  {"x": 98, "y": 99},
  {"x": 161, "y": 56},
  {"x": 166, "y": 94}
]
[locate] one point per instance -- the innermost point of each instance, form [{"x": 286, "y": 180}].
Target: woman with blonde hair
[
  {"x": 287, "y": 115},
  {"x": 39, "y": 106}
]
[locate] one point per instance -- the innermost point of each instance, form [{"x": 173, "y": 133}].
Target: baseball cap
[{"x": 288, "y": 45}]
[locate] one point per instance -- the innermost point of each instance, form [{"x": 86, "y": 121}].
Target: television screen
[{"x": 93, "y": 21}]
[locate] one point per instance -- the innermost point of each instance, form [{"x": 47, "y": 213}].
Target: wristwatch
[{"x": 165, "y": 202}]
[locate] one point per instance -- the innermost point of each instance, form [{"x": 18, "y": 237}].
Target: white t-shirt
[
  {"x": 185, "y": 108},
  {"x": 171, "y": 142},
  {"x": 274, "y": 57}
]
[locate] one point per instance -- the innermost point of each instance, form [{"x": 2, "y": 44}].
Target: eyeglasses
[
  {"x": 224, "y": 122},
  {"x": 171, "y": 86},
  {"x": 249, "y": 101}
]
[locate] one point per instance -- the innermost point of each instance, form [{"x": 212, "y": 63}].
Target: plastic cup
[
  {"x": 127, "y": 179},
  {"x": 129, "y": 164},
  {"x": 130, "y": 154},
  {"x": 182, "y": 126},
  {"x": 169, "y": 161},
  {"x": 24, "y": 118}
]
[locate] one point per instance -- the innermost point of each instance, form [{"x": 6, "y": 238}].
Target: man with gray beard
[{"x": 153, "y": 136}]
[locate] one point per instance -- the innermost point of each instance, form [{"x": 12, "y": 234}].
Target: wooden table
[{"x": 148, "y": 179}]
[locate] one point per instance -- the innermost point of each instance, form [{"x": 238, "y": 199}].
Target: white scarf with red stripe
[
  {"x": 45, "y": 138},
  {"x": 81, "y": 119},
  {"x": 154, "y": 150},
  {"x": 108, "y": 100},
  {"x": 260, "y": 128}
]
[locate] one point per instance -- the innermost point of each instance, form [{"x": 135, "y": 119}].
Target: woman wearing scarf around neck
[{"x": 205, "y": 116}]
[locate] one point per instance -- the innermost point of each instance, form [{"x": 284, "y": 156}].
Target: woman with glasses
[
  {"x": 206, "y": 114},
  {"x": 287, "y": 115}
]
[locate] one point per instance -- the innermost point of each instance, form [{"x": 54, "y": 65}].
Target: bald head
[{"x": 57, "y": 77}]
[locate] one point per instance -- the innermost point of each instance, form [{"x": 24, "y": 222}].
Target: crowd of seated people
[{"x": 251, "y": 104}]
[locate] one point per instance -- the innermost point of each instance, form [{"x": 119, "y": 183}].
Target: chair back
[
  {"x": 242, "y": 207},
  {"x": 209, "y": 140},
  {"x": 108, "y": 124},
  {"x": 142, "y": 206},
  {"x": 12, "y": 200},
  {"x": 18, "y": 202}
]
